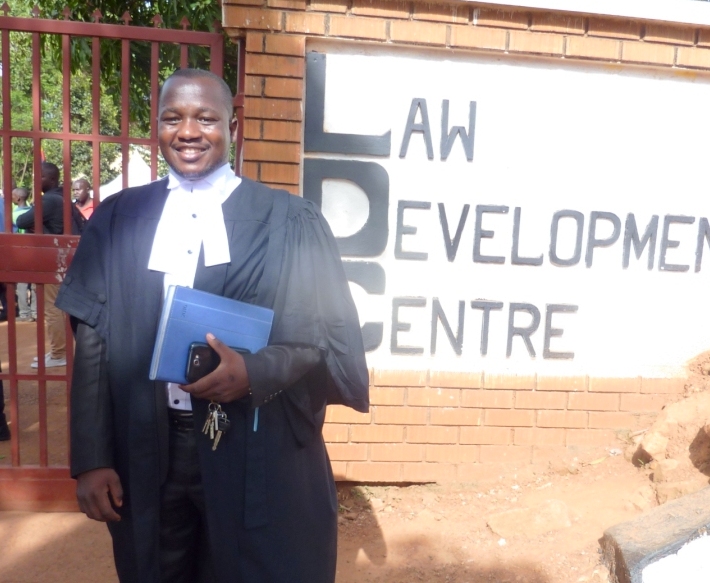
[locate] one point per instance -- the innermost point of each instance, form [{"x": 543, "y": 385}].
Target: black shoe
[{"x": 4, "y": 432}]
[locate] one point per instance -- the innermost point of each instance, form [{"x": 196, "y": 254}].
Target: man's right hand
[{"x": 98, "y": 491}]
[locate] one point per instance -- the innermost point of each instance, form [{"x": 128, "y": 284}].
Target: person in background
[
  {"x": 81, "y": 189},
  {"x": 26, "y": 295},
  {"x": 53, "y": 224},
  {"x": 4, "y": 429}
]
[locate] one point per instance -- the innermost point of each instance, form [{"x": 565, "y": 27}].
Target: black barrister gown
[{"x": 270, "y": 496}]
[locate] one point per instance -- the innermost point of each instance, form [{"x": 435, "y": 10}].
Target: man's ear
[{"x": 233, "y": 127}]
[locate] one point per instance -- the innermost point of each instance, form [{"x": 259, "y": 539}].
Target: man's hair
[
  {"x": 84, "y": 180},
  {"x": 25, "y": 192},
  {"x": 225, "y": 92},
  {"x": 50, "y": 170}
]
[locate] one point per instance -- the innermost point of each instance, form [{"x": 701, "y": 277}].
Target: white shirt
[{"x": 192, "y": 219}]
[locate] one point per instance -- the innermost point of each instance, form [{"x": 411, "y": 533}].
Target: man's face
[
  {"x": 194, "y": 127},
  {"x": 18, "y": 197},
  {"x": 80, "y": 190}
]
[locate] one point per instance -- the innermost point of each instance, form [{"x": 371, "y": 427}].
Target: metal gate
[{"x": 34, "y": 463}]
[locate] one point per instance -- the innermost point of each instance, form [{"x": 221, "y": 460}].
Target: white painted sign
[{"x": 527, "y": 216}]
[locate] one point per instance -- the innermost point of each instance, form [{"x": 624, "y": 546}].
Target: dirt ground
[
  {"x": 393, "y": 534},
  {"x": 426, "y": 532}
]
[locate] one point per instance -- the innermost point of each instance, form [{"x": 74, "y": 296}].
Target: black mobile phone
[{"x": 202, "y": 360}]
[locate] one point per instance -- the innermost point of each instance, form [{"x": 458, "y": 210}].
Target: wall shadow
[{"x": 699, "y": 451}]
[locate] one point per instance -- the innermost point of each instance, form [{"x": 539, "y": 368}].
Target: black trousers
[{"x": 184, "y": 546}]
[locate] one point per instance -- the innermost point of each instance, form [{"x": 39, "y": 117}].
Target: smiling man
[{"x": 262, "y": 506}]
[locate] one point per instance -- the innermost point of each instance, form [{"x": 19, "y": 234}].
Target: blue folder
[{"x": 189, "y": 314}]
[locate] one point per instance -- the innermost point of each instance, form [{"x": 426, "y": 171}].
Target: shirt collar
[{"x": 217, "y": 178}]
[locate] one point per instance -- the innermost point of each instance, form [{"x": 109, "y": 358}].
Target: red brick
[
  {"x": 381, "y": 8},
  {"x": 374, "y": 472},
  {"x": 704, "y": 37},
  {"x": 251, "y": 170},
  {"x": 426, "y": 434},
  {"x": 430, "y": 397},
  {"x": 501, "y": 18},
  {"x": 643, "y": 403},
  {"x": 535, "y": 43},
  {"x": 282, "y": 131},
  {"x": 614, "y": 420},
  {"x": 486, "y": 435},
  {"x": 422, "y": 33},
  {"x": 254, "y": 86},
  {"x": 282, "y": 44},
  {"x": 475, "y": 37},
  {"x": 506, "y": 453},
  {"x": 454, "y": 13},
  {"x": 305, "y": 23},
  {"x": 694, "y": 58},
  {"x": 329, "y": 6},
  {"x": 614, "y": 28},
  {"x": 428, "y": 472},
  {"x": 283, "y": 87},
  {"x": 594, "y": 401},
  {"x": 593, "y": 48},
  {"x": 386, "y": 395},
  {"x": 255, "y": 42},
  {"x": 538, "y": 436},
  {"x": 346, "y": 452},
  {"x": 251, "y": 18},
  {"x": 376, "y": 433},
  {"x": 400, "y": 378},
  {"x": 664, "y": 33},
  {"x": 487, "y": 399},
  {"x": 454, "y": 454},
  {"x": 510, "y": 418},
  {"x": 281, "y": 109},
  {"x": 536, "y": 400},
  {"x": 666, "y": 386},
  {"x": 280, "y": 173},
  {"x": 546, "y": 383},
  {"x": 455, "y": 380},
  {"x": 335, "y": 433},
  {"x": 272, "y": 152},
  {"x": 562, "y": 418},
  {"x": 396, "y": 452},
  {"x": 445, "y": 416},
  {"x": 643, "y": 52},
  {"x": 252, "y": 129},
  {"x": 287, "y": 4},
  {"x": 274, "y": 65},
  {"x": 614, "y": 385},
  {"x": 560, "y": 23},
  {"x": 400, "y": 415},
  {"x": 353, "y": 27},
  {"x": 517, "y": 382},
  {"x": 590, "y": 437},
  {"x": 339, "y": 471}
]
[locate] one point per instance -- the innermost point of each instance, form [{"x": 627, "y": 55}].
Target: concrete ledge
[{"x": 631, "y": 546}]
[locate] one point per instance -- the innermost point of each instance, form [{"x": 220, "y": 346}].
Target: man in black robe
[{"x": 262, "y": 507}]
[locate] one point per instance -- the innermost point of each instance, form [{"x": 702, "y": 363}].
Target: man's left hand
[{"x": 228, "y": 382}]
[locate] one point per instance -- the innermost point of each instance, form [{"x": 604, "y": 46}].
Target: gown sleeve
[
  {"x": 84, "y": 292},
  {"x": 313, "y": 305}
]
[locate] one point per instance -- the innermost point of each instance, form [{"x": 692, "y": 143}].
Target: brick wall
[{"x": 430, "y": 425}]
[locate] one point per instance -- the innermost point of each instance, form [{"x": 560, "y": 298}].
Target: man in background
[
  {"x": 53, "y": 224},
  {"x": 81, "y": 189},
  {"x": 26, "y": 295}
]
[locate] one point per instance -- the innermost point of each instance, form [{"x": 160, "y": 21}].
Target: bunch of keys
[{"x": 215, "y": 424}]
